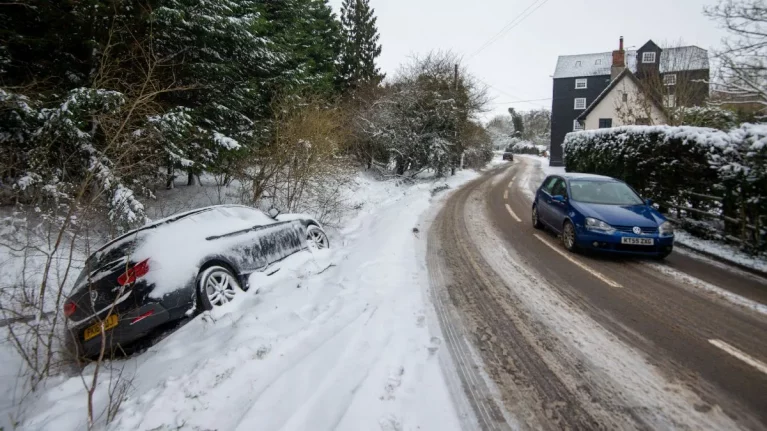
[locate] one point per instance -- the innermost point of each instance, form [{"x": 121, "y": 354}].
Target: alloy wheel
[
  {"x": 220, "y": 287},
  {"x": 569, "y": 236},
  {"x": 317, "y": 238}
]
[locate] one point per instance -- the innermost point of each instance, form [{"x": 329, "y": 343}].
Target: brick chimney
[{"x": 619, "y": 61}]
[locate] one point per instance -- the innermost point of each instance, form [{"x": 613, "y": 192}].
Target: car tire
[
  {"x": 216, "y": 286},
  {"x": 569, "y": 237},
  {"x": 536, "y": 221},
  {"x": 317, "y": 238}
]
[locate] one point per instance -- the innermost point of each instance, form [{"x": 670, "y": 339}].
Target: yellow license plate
[{"x": 94, "y": 330}]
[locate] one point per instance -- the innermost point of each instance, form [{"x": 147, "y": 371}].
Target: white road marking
[
  {"x": 506, "y": 194},
  {"x": 519, "y": 220},
  {"x": 759, "y": 365},
  {"x": 512, "y": 181},
  {"x": 583, "y": 266}
]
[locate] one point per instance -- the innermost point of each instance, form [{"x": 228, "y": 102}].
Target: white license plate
[{"x": 636, "y": 241}]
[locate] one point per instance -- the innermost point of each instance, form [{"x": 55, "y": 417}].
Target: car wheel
[
  {"x": 217, "y": 286},
  {"x": 536, "y": 222},
  {"x": 569, "y": 238},
  {"x": 316, "y": 238}
]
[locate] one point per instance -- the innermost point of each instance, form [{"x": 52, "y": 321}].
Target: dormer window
[
  {"x": 578, "y": 63},
  {"x": 581, "y": 83},
  {"x": 648, "y": 57},
  {"x": 598, "y": 62}
]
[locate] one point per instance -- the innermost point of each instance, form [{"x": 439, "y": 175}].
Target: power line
[
  {"x": 520, "y": 101},
  {"x": 509, "y": 26},
  {"x": 509, "y": 94}
]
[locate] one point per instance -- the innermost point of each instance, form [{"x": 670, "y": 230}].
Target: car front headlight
[
  {"x": 666, "y": 229},
  {"x": 597, "y": 225}
]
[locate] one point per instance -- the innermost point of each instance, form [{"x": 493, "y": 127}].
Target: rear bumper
[
  {"x": 612, "y": 243},
  {"x": 132, "y": 325}
]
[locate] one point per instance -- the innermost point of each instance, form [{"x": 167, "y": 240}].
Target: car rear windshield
[{"x": 603, "y": 192}]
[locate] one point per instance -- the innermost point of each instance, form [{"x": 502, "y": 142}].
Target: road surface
[{"x": 545, "y": 339}]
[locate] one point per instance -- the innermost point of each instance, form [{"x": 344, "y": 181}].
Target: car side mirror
[
  {"x": 273, "y": 212},
  {"x": 558, "y": 198},
  {"x": 648, "y": 202}
]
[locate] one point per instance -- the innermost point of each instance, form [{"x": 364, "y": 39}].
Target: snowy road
[{"x": 584, "y": 342}]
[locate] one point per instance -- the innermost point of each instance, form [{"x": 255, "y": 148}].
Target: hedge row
[
  {"x": 527, "y": 147},
  {"x": 666, "y": 163}
]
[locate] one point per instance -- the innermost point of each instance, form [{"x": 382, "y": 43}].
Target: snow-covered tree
[
  {"x": 360, "y": 44},
  {"x": 743, "y": 57},
  {"x": 419, "y": 120}
]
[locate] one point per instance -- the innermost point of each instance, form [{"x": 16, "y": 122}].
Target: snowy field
[{"x": 337, "y": 339}]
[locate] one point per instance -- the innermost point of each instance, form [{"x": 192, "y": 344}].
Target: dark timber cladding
[{"x": 563, "y": 112}]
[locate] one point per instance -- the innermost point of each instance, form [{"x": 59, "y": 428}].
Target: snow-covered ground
[{"x": 337, "y": 339}]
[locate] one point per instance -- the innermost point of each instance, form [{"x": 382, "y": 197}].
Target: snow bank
[{"x": 334, "y": 340}]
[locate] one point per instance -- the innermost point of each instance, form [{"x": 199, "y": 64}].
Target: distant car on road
[
  {"x": 601, "y": 213},
  {"x": 507, "y": 154},
  {"x": 176, "y": 267}
]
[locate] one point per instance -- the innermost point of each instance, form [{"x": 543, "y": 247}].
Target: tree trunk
[
  {"x": 190, "y": 178},
  {"x": 170, "y": 179}
]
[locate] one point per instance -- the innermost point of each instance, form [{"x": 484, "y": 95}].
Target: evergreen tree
[
  {"x": 310, "y": 35},
  {"x": 360, "y": 44},
  {"x": 519, "y": 125}
]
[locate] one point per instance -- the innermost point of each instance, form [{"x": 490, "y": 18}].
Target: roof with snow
[{"x": 671, "y": 60}]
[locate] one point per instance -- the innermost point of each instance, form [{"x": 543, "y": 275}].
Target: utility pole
[{"x": 455, "y": 87}]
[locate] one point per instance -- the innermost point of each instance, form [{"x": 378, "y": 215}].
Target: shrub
[
  {"x": 705, "y": 116},
  {"x": 527, "y": 147}
]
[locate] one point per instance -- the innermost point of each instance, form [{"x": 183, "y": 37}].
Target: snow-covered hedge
[
  {"x": 527, "y": 147},
  {"x": 666, "y": 163},
  {"x": 705, "y": 116}
]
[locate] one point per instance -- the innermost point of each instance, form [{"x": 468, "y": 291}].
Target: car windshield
[{"x": 603, "y": 192}]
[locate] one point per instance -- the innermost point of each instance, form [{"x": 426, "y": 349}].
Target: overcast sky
[{"x": 519, "y": 64}]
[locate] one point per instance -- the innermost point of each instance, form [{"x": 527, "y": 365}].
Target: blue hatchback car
[{"x": 601, "y": 213}]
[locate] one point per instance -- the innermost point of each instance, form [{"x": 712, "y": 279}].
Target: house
[{"x": 624, "y": 87}]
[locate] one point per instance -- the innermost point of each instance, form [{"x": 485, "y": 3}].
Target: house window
[
  {"x": 670, "y": 101},
  {"x": 581, "y": 83},
  {"x": 578, "y": 63},
  {"x": 669, "y": 79},
  {"x": 625, "y": 97},
  {"x": 648, "y": 57},
  {"x": 605, "y": 123},
  {"x": 577, "y": 126},
  {"x": 580, "y": 103},
  {"x": 598, "y": 62}
]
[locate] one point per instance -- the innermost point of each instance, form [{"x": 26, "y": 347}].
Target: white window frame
[
  {"x": 577, "y": 127},
  {"x": 580, "y": 99},
  {"x": 598, "y": 62},
  {"x": 669, "y": 79},
  {"x": 648, "y": 57},
  {"x": 578, "y": 63},
  {"x": 583, "y": 81},
  {"x": 670, "y": 101}
]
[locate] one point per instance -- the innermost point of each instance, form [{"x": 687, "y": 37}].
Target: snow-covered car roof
[
  {"x": 202, "y": 216},
  {"x": 671, "y": 60},
  {"x": 581, "y": 176}
]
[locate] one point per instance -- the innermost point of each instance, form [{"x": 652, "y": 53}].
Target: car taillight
[
  {"x": 69, "y": 308},
  {"x": 138, "y": 270}
]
